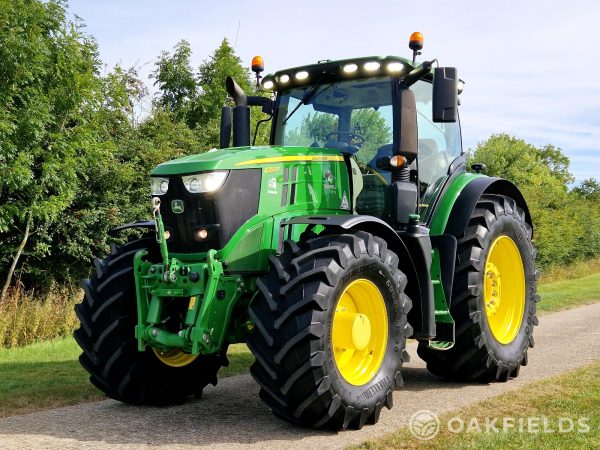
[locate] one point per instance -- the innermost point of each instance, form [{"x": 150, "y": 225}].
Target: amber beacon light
[
  {"x": 415, "y": 43},
  {"x": 258, "y": 64}
]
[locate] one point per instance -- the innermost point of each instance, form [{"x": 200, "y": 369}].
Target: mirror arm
[
  {"x": 416, "y": 74},
  {"x": 265, "y": 103}
]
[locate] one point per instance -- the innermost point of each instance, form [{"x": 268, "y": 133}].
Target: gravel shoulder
[{"x": 231, "y": 415}]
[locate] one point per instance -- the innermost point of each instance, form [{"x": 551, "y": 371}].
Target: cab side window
[{"x": 439, "y": 145}]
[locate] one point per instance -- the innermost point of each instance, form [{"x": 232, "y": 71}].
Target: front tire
[
  {"x": 330, "y": 330},
  {"x": 108, "y": 317},
  {"x": 493, "y": 297}
]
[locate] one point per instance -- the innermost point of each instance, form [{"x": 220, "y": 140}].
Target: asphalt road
[{"x": 232, "y": 416}]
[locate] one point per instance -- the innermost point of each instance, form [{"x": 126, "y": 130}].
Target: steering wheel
[{"x": 354, "y": 139}]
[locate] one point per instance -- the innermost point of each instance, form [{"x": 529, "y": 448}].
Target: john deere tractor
[{"x": 356, "y": 229}]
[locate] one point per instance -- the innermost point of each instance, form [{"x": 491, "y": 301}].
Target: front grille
[{"x": 220, "y": 213}]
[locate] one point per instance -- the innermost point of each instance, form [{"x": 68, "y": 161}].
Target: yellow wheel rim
[
  {"x": 174, "y": 358},
  {"x": 504, "y": 289},
  {"x": 359, "y": 332}
]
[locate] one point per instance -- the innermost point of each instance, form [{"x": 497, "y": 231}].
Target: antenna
[{"x": 237, "y": 33}]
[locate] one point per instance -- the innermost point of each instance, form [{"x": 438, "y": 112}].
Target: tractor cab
[
  {"x": 395, "y": 124},
  {"x": 352, "y": 106}
]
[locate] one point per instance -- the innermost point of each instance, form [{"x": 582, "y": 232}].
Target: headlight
[
  {"x": 205, "y": 182},
  {"x": 159, "y": 186}
]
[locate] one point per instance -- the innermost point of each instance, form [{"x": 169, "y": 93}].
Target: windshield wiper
[{"x": 305, "y": 99}]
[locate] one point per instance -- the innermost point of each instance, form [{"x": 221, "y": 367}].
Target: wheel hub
[
  {"x": 359, "y": 332},
  {"x": 493, "y": 286},
  {"x": 504, "y": 289},
  {"x": 354, "y": 331}
]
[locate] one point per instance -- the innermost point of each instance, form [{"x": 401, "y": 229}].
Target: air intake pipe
[{"x": 241, "y": 114}]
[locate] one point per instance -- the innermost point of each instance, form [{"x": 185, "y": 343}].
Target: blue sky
[{"x": 532, "y": 68}]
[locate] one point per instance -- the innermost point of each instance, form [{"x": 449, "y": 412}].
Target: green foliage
[
  {"x": 74, "y": 158},
  {"x": 589, "y": 188},
  {"x": 567, "y": 224},
  {"x": 50, "y": 92},
  {"x": 212, "y": 75},
  {"x": 177, "y": 83},
  {"x": 197, "y": 100},
  {"x": 213, "y": 96}
]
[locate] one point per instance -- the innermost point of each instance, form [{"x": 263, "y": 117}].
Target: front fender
[
  {"x": 415, "y": 267},
  {"x": 459, "y": 200}
]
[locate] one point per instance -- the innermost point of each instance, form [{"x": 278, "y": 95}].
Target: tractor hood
[{"x": 244, "y": 158}]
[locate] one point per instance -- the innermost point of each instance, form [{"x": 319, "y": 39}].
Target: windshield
[{"x": 353, "y": 116}]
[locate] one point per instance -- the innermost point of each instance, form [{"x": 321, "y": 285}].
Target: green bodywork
[
  {"x": 322, "y": 187},
  {"x": 210, "y": 322},
  {"x": 443, "y": 210}
]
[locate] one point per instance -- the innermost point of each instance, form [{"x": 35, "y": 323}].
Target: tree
[
  {"x": 197, "y": 100},
  {"x": 213, "y": 96},
  {"x": 557, "y": 161},
  {"x": 49, "y": 90},
  {"x": 211, "y": 79},
  {"x": 541, "y": 173},
  {"x": 123, "y": 91},
  {"x": 590, "y": 189},
  {"x": 566, "y": 224},
  {"x": 113, "y": 190},
  {"x": 176, "y": 82}
]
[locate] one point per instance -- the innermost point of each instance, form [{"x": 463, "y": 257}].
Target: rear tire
[
  {"x": 488, "y": 349},
  {"x": 294, "y": 313},
  {"x": 108, "y": 317}
]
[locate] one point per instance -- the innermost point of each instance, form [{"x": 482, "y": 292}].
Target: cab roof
[{"x": 330, "y": 71}]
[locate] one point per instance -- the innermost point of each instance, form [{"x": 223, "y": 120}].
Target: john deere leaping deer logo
[{"x": 177, "y": 206}]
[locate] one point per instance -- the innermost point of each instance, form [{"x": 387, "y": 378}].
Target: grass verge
[
  {"x": 569, "y": 293},
  {"x": 48, "y": 375},
  {"x": 538, "y": 413}
]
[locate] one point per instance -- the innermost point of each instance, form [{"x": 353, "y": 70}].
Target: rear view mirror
[{"x": 445, "y": 94}]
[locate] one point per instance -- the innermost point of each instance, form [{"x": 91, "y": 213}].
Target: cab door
[{"x": 439, "y": 145}]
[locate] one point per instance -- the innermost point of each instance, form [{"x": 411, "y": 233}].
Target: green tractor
[{"x": 358, "y": 228}]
